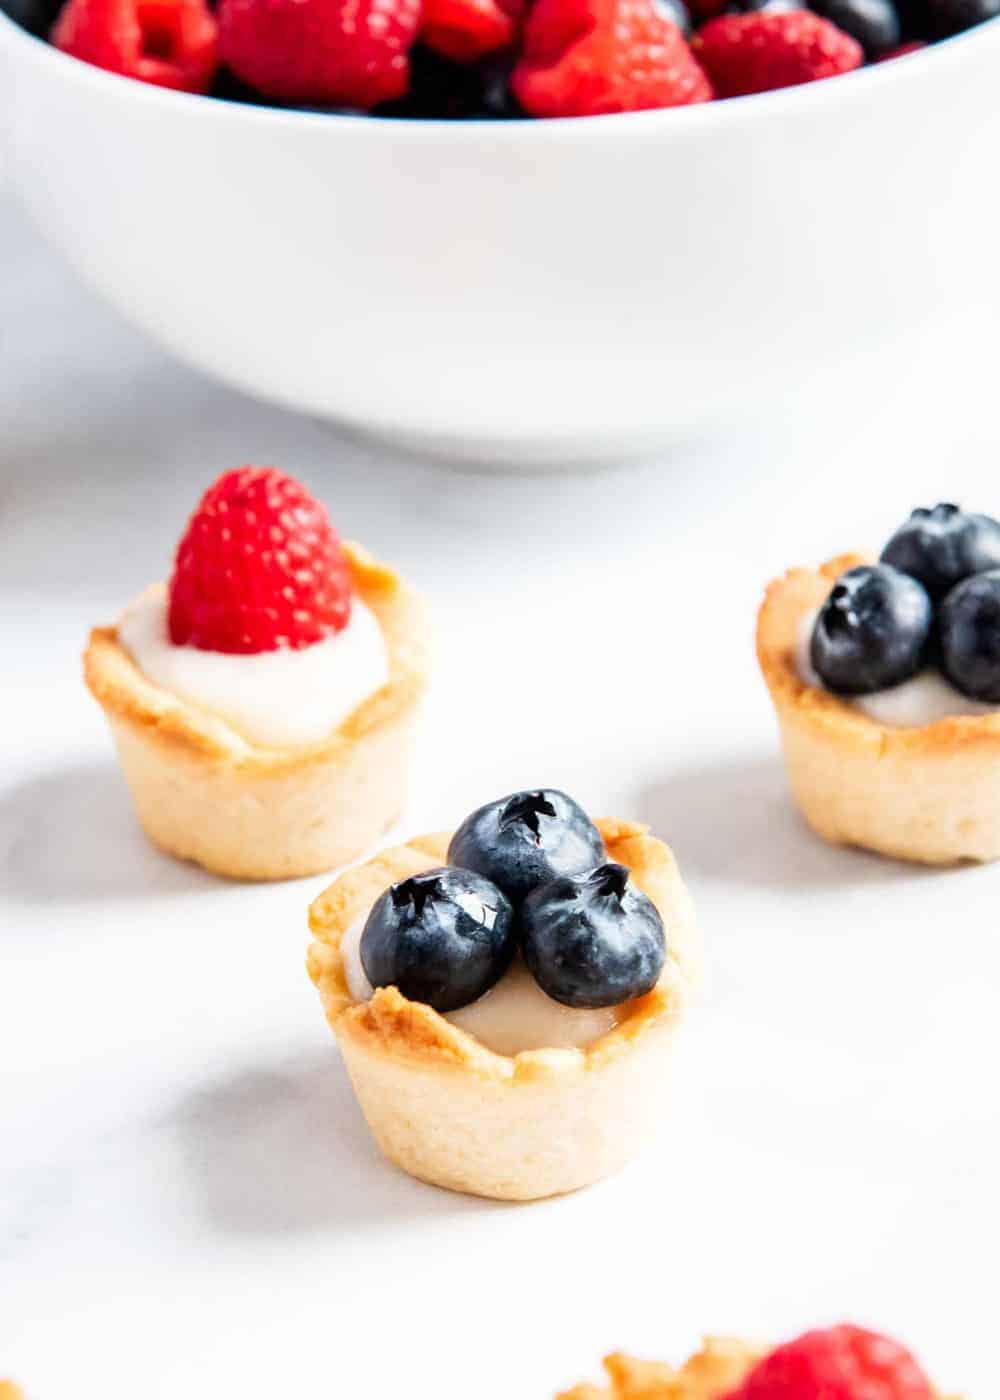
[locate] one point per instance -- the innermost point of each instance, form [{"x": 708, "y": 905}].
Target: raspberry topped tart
[
  {"x": 886, "y": 680},
  {"x": 506, "y": 998},
  {"x": 263, "y": 701},
  {"x": 833, "y": 1363}
]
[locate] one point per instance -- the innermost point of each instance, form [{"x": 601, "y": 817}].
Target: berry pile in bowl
[
  {"x": 493, "y": 59},
  {"x": 522, "y": 293}
]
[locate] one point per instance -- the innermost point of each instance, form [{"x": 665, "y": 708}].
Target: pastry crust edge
[
  {"x": 787, "y": 600},
  {"x": 191, "y": 733}
]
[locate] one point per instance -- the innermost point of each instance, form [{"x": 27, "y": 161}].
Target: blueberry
[
  {"x": 445, "y": 90},
  {"x": 592, "y": 940},
  {"x": 527, "y": 839},
  {"x": 969, "y": 625},
  {"x": 37, "y": 16},
  {"x": 874, "y": 23},
  {"x": 443, "y": 937},
  {"x": 942, "y": 546},
  {"x": 230, "y": 88},
  {"x": 771, "y": 6},
  {"x": 496, "y": 100},
  {"x": 872, "y": 632},
  {"x": 946, "y": 17}
]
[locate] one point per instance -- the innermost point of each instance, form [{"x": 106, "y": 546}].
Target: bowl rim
[{"x": 664, "y": 120}]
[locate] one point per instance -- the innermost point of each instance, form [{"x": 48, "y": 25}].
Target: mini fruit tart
[
  {"x": 886, "y": 680},
  {"x": 263, "y": 703},
  {"x": 833, "y": 1363},
  {"x": 506, "y": 999}
]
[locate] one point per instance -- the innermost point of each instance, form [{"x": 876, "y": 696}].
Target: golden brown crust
[
  {"x": 710, "y": 1374},
  {"x": 9, "y": 1391},
  {"x": 787, "y": 601},
  {"x": 194, "y": 735},
  {"x": 411, "y": 1031}
]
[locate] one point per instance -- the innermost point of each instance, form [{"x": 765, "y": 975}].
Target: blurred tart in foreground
[{"x": 834, "y": 1363}]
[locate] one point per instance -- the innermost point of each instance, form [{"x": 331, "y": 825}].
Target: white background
[{"x": 189, "y": 1201}]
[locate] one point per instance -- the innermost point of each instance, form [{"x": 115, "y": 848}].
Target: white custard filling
[
  {"x": 277, "y": 699},
  {"x": 514, "y": 1015},
  {"x": 923, "y": 699}
]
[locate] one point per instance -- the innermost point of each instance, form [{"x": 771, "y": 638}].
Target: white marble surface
[{"x": 189, "y": 1201}]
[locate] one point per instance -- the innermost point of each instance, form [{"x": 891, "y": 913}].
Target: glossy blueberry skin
[
  {"x": 496, "y": 102},
  {"x": 36, "y": 16},
  {"x": 745, "y": 7},
  {"x": 527, "y": 839},
  {"x": 874, "y": 23},
  {"x": 946, "y": 17},
  {"x": 442, "y": 89},
  {"x": 941, "y": 546},
  {"x": 443, "y": 937},
  {"x": 592, "y": 940},
  {"x": 969, "y": 630},
  {"x": 872, "y": 632}
]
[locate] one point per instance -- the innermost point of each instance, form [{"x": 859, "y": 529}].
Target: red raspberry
[
  {"x": 582, "y": 57},
  {"x": 467, "y": 29},
  {"x": 348, "y": 53},
  {"x": 839, "y": 1363},
  {"x": 901, "y": 50},
  {"x": 773, "y": 49},
  {"x": 172, "y": 43},
  {"x": 259, "y": 567}
]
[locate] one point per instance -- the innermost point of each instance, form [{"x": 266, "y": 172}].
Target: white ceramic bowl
[{"x": 561, "y": 290}]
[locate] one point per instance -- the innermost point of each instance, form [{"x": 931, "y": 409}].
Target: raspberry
[
  {"x": 583, "y": 57},
  {"x": 902, "y": 50},
  {"x": 259, "y": 567},
  {"x": 773, "y": 49},
  {"x": 171, "y": 43},
  {"x": 467, "y": 29},
  {"x": 349, "y": 53},
  {"x": 839, "y": 1363}
]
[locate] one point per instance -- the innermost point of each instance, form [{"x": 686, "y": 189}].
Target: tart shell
[
  {"x": 711, "y": 1374},
  {"x": 930, "y": 793},
  {"x": 205, "y": 794},
  {"x": 452, "y": 1112}
]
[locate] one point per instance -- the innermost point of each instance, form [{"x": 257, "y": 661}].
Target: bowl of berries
[{"x": 515, "y": 231}]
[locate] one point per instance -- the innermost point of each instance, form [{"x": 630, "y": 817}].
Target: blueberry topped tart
[
  {"x": 885, "y": 675},
  {"x": 506, "y": 996}
]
